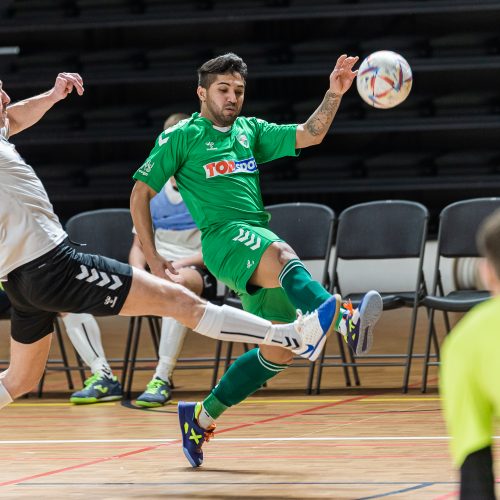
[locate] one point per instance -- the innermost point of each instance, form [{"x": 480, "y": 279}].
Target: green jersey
[{"x": 217, "y": 172}]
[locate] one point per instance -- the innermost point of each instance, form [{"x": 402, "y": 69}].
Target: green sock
[
  {"x": 247, "y": 374},
  {"x": 303, "y": 292}
]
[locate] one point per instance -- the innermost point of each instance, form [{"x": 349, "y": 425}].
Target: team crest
[{"x": 243, "y": 140}]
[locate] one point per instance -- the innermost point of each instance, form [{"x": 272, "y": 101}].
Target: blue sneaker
[
  {"x": 98, "y": 388},
  {"x": 314, "y": 328},
  {"x": 357, "y": 324},
  {"x": 157, "y": 393},
  {"x": 193, "y": 436}
]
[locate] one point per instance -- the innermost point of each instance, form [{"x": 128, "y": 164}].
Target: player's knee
[
  {"x": 20, "y": 385},
  {"x": 284, "y": 252}
]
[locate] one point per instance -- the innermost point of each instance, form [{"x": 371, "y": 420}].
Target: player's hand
[
  {"x": 159, "y": 267},
  {"x": 342, "y": 75},
  {"x": 64, "y": 85}
]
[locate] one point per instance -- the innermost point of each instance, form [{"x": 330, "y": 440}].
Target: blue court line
[{"x": 395, "y": 492}]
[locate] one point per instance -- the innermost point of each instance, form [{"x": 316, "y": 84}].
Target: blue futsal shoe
[
  {"x": 193, "y": 436},
  {"x": 357, "y": 325},
  {"x": 97, "y": 389},
  {"x": 314, "y": 328}
]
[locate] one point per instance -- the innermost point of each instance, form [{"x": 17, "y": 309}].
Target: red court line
[{"x": 230, "y": 429}]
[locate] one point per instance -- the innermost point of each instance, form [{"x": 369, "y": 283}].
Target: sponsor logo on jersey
[
  {"x": 226, "y": 167},
  {"x": 210, "y": 146}
]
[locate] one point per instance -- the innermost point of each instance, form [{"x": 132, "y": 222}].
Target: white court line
[{"x": 168, "y": 440}]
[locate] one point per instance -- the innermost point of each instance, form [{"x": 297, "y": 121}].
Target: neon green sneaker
[
  {"x": 96, "y": 389},
  {"x": 158, "y": 392}
]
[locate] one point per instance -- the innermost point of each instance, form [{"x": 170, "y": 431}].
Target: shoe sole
[
  {"x": 145, "y": 404},
  {"x": 180, "y": 413},
  {"x": 370, "y": 312},
  {"x": 321, "y": 342},
  {"x": 88, "y": 401}
]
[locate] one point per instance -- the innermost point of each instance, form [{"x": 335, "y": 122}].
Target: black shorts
[
  {"x": 209, "y": 291},
  {"x": 64, "y": 280}
]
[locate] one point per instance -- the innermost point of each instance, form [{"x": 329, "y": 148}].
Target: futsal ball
[{"x": 384, "y": 79}]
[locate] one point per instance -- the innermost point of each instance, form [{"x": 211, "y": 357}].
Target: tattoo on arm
[{"x": 319, "y": 122}]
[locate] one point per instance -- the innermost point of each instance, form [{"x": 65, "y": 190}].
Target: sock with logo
[
  {"x": 246, "y": 375},
  {"x": 234, "y": 325},
  {"x": 5, "y": 397},
  {"x": 171, "y": 341},
  {"x": 85, "y": 336},
  {"x": 303, "y": 292}
]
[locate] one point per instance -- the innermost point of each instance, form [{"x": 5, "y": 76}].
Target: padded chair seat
[{"x": 456, "y": 301}]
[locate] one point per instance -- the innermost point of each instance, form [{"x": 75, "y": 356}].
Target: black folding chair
[
  {"x": 389, "y": 229},
  {"x": 456, "y": 238},
  {"x": 308, "y": 229},
  {"x": 108, "y": 232}
]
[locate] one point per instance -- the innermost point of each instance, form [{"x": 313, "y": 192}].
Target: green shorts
[{"x": 232, "y": 253}]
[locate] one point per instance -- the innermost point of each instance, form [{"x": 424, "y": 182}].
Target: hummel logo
[
  {"x": 110, "y": 301},
  {"x": 250, "y": 263},
  {"x": 210, "y": 146},
  {"x": 162, "y": 140}
]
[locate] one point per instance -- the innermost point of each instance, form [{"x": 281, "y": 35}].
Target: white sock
[
  {"x": 85, "y": 335},
  {"x": 204, "y": 419},
  {"x": 171, "y": 341},
  {"x": 235, "y": 325},
  {"x": 5, "y": 398}
]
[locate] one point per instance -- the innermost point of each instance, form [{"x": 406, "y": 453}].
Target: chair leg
[
  {"x": 64, "y": 356},
  {"x": 229, "y": 354},
  {"x": 352, "y": 359},
  {"x": 128, "y": 347},
  {"x": 310, "y": 378},
  {"x": 218, "y": 349},
  {"x": 154, "y": 335},
  {"x": 343, "y": 356},
  {"x": 40, "y": 384},
  {"x": 425, "y": 369},
  {"x": 133, "y": 357},
  {"x": 320, "y": 370},
  {"x": 411, "y": 343},
  {"x": 81, "y": 367}
]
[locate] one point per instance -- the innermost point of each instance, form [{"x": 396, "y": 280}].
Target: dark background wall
[{"x": 139, "y": 60}]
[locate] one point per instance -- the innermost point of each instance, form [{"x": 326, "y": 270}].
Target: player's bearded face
[{"x": 224, "y": 99}]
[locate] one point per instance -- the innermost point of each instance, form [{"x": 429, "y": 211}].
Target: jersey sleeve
[
  {"x": 163, "y": 161},
  {"x": 274, "y": 141}
]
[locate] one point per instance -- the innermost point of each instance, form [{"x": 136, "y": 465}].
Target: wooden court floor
[{"x": 345, "y": 443}]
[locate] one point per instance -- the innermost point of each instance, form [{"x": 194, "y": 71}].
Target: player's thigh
[
  {"x": 27, "y": 364},
  {"x": 150, "y": 295}
]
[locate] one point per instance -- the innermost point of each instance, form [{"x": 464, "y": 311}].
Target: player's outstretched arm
[
  {"x": 141, "y": 215},
  {"x": 24, "y": 114},
  {"x": 315, "y": 128}
]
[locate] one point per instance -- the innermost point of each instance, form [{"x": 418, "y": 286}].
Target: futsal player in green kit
[
  {"x": 215, "y": 157},
  {"x": 470, "y": 376}
]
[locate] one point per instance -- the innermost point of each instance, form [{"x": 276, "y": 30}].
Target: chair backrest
[
  {"x": 106, "y": 232},
  {"x": 388, "y": 229},
  {"x": 459, "y": 223},
  {"x": 307, "y": 228}
]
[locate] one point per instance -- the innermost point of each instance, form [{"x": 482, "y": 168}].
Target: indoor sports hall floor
[{"x": 368, "y": 442}]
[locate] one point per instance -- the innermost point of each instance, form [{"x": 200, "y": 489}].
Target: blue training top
[{"x": 168, "y": 215}]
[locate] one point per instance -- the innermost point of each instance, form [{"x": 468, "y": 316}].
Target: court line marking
[
  {"x": 396, "y": 492},
  {"x": 229, "y": 429},
  {"x": 247, "y": 402},
  {"x": 242, "y": 439}
]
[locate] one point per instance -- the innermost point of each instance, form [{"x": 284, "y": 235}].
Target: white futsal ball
[{"x": 384, "y": 79}]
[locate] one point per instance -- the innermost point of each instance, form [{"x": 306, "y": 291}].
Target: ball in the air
[{"x": 384, "y": 79}]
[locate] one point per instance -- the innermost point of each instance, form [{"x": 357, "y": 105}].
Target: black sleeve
[{"x": 476, "y": 476}]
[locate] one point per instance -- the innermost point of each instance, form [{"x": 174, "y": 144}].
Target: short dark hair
[
  {"x": 221, "y": 65},
  {"x": 488, "y": 239}
]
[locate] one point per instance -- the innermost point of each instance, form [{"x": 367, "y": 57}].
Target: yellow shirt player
[{"x": 470, "y": 376}]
